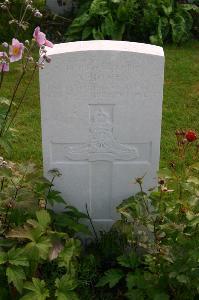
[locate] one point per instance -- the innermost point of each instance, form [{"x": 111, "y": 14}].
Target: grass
[{"x": 180, "y": 107}]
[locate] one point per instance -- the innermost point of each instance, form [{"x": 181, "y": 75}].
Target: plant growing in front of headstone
[
  {"x": 162, "y": 233},
  {"x": 14, "y": 51},
  {"x": 34, "y": 240}
]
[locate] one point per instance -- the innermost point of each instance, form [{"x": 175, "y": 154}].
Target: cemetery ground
[{"x": 180, "y": 109}]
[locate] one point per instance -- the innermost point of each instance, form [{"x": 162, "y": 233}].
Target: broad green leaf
[
  {"x": 190, "y": 7},
  {"x": 97, "y": 34},
  {"x": 66, "y": 296},
  {"x": 130, "y": 260},
  {"x": 87, "y": 32},
  {"x": 43, "y": 246},
  {"x": 98, "y": 7},
  {"x": 43, "y": 218},
  {"x": 66, "y": 283},
  {"x": 161, "y": 296},
  {"x": 16, "y": 275},
  {"x": 55, "y": 197},
  {"x": 3, "y": 257},
  {"x": 17, "y": 257},
  {"x": 70, "y": 251},
  {"x": 111, "y": 277},
  {"x": 167, "y": 10},
  {"x": 131, "y": 281},
  {"x": 182, "y": 278},
  {"x": 65, "y": 221},
  {"x": 38, "y": 290}
]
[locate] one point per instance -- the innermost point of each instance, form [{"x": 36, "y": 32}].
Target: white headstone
[
  {"x": 60, "y": 6},
  {"x": 101, "y": 104}
]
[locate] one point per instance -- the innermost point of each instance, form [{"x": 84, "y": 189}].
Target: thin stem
[
  {"x": 22, "y": 98},
  {"x": 49, "y": 190},
  {"x": 2, "y": 76},
  {"x": 92, "y": 225},
  {"x": 145, "y": 204},
  {"x": 2, "y": 183},
  {"x": 11, "y": 102}
]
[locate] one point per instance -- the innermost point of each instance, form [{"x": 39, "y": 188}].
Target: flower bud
[
  {"x": 5, "y": 45},
  {"x": 30, "y": 58},
  {"x": 184, "y": 141},
  {"x": 161, "y": 181},
  {"x": 4, "y": 7}
]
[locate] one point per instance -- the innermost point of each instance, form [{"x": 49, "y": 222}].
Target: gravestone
[
  {"x": 60, "y": 6},
  {"x": 101, "y": 107}
]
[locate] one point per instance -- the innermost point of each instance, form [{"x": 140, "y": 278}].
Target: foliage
[
  {"x": 102, "y": 19},
  {"x": 157, "y": 21},
  {"x": 32, "y": 236},
  {"x": 18, "y": 51},
  {"x": 162, "y": 233},
  {"x": 8, "y": 32},
  {"x": 168, "y": 20}
]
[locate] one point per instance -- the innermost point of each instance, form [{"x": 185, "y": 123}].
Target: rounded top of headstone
[{"x": 106, "y": 45}]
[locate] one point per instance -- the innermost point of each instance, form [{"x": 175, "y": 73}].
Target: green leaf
[
  {"x": 111, "y": 277},
  {"x": 77, "y": 24},
  {"x": 16, "y": 276},
  {"x": 43, "y": 218},
  {"x": 54, "y": 197},
  {"x": 43, "y": 246},
  {"x": 131, "y": 281},
  {"x": 3, "y": 257},
  {"x": 70, "y": 251},
  {"x": 87, "y": 32},
  {"x": 161, "y": 296},
  {"x": 189, "y": 7},
  {"x": 129, "y": 260},
  {"x": 68, "y": 296},
  {"x": 65, "y": 221},
  {"x": 180, "y": 31},
  {"x": 167, "y": 10},
  {"x": 97, "y": 34},
  {"x": 65, "y": 287},
  {"x": 98, "y": 7},
  {"x": 182, "y": 278},
  {"x": 38, "y": 290},
  {"x": 17, "y": 257}
]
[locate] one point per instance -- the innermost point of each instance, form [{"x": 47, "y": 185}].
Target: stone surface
[
  {"x": 101, "y": 105},
  {"x": 60, "y": 6}
]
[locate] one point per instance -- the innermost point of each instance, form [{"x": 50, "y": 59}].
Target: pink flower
[
  {"x": 4, "y": 64},
  {"x": 40, "y": 38},
  {"x": 16, "y": 50}
]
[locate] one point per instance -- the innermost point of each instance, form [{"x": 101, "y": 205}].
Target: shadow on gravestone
[{"x": 101, "y": 109}]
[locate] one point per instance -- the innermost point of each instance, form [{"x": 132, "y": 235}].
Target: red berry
[{"x": 191, "y": 136}]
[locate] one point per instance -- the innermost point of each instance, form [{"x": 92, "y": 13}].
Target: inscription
[{"x": 103, "y": 144}]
